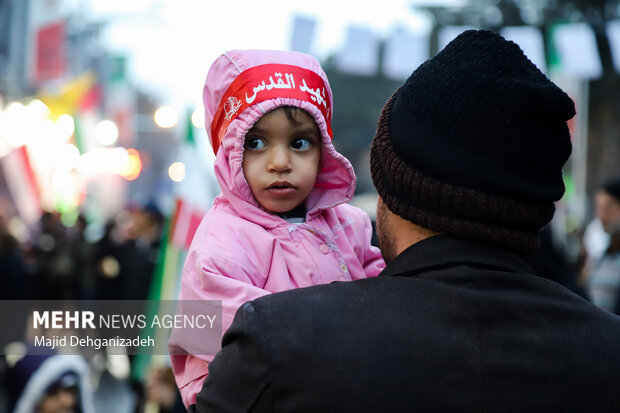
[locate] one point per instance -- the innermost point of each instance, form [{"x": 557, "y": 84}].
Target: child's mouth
[
  {"x": 280, "y": 185},
  {"x": 280, "y": 188}
]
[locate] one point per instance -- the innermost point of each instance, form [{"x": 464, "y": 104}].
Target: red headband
[{"x": 265, "y": 82}]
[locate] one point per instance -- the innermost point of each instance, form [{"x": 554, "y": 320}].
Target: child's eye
[
  {"x": 302, "y": 144},
  {"x": 254, "y": 144}
]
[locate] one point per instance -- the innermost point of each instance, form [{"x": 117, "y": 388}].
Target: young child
[{"x": 281, "y": 221}]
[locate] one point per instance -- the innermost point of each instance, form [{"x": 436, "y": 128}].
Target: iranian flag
[{"x": 185, "y": 222}]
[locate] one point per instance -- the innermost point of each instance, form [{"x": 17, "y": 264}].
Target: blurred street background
[{"x": 105, "y": 166}]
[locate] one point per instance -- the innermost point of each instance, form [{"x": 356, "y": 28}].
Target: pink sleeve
[{"x": 215, "y": 278}]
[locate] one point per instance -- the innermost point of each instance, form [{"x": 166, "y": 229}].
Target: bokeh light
[
  {"x": 176, "y": 171},
  {"x": 166, "y": 117},
  {"x": 66, "y": 157},
  {"x": 12, "y": 127},
  {"x": 38, "y": 110},
  {"x": 65, "y": 126},
  {"x": 106, "y": 132},
  {"x": 198, "y": 119},
  {"x": 133, "y": 165}
]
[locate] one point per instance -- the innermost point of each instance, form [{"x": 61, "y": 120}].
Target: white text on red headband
[{"x": 266, "y": 82}]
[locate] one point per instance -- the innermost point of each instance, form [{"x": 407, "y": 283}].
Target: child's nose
[{"x": 280, "y": 159}]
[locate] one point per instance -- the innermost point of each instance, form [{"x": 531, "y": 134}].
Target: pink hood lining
[{"x": 336, "y": 180}]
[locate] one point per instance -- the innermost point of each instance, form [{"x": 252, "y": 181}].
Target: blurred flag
[
  {"x": 115, "y": 69},
  {"x": 51, "y": 52},
  {"x": 360, "y": 55},
  {"x": 303, "y": 34},
  {"x": 22, "y": 184},
  {"x": 168, "y": 269},
  {"x": 531, "y": 42},
  {"x": 164, "y": 275},
  {"x": 185, "y": 223},
  {"x": 72, "y": 95},
  {"x": 577, "y": 51},
  {"x": 404, "y": 52},
  {"x": 613, "y": 34},
  {"x": 84, "y": 134}
]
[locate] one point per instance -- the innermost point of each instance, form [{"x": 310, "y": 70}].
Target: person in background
[
  {"x": 467, "y": 160},
  {"x": 81, "y": 251},
  {"x": 50, "y": 261},
  {"x": 281, "y": 221},
  {"x": 604, "y": 280},
  {"x": 161, "y": 390},
  {"x": 140, "y": 250},
  {"x": 51, "y": 383},
  {"x": 124, "y": 259},
  {"x": 14, "y": 282}
]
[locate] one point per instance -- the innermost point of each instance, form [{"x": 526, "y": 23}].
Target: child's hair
[{"x": 290, "y": 112}]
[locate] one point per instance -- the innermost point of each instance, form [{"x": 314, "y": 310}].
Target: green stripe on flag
[
  {"x": 141, "y": 361},
  {"x": 78, "y": 134},
  {"x": 553, "y": 57},
  {"x": 189, "y": 137}
]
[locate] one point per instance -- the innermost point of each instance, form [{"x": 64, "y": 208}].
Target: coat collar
[{"x": 443, "y": 251}]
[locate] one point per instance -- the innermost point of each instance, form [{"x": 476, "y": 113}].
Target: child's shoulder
[
  {"x": 223, "y": 231},
  {"x": 222, "y": 221},
  {"x": 224, "y": 214},
  {"x": 346, "y": 216},
  {"x": 344, "y": 211}
]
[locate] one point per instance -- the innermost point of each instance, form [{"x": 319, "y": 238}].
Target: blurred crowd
[
  {"x": 590, "y": 267},
  {"x": 60, "y": 262}
]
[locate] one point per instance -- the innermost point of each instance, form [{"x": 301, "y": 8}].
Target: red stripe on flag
[
  {"x": 194, "y": 221},
  {"x": 185, "y": 223},
  {"x": 22, "y": 184}
]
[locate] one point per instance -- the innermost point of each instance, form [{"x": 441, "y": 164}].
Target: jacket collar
[{"x": 444, "y": 251}]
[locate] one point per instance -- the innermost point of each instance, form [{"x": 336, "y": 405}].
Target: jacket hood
[
  {"x": 244, "y": 85},
  {"x": 31, "y": 377}
]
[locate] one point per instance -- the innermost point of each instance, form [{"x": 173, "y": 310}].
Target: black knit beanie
[{"x": 474, "y": 142}]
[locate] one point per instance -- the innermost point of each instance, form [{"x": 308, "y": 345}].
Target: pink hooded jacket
[{"x": 240, "y": 251}]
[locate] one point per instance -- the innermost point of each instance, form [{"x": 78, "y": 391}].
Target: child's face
[
  {"x": 281, "y": 159},
  {"x": 60, "y": 401}
]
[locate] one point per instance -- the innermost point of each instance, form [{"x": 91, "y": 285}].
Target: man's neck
[{"x": 410, "y": 234}]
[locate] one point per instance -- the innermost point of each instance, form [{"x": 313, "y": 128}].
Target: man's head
[
  {"x": 473, "y": 144},
  {"x": 607, "y": 204}
]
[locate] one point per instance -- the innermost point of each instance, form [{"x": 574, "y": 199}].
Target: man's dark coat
[{"x": 448, "y": 326}]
